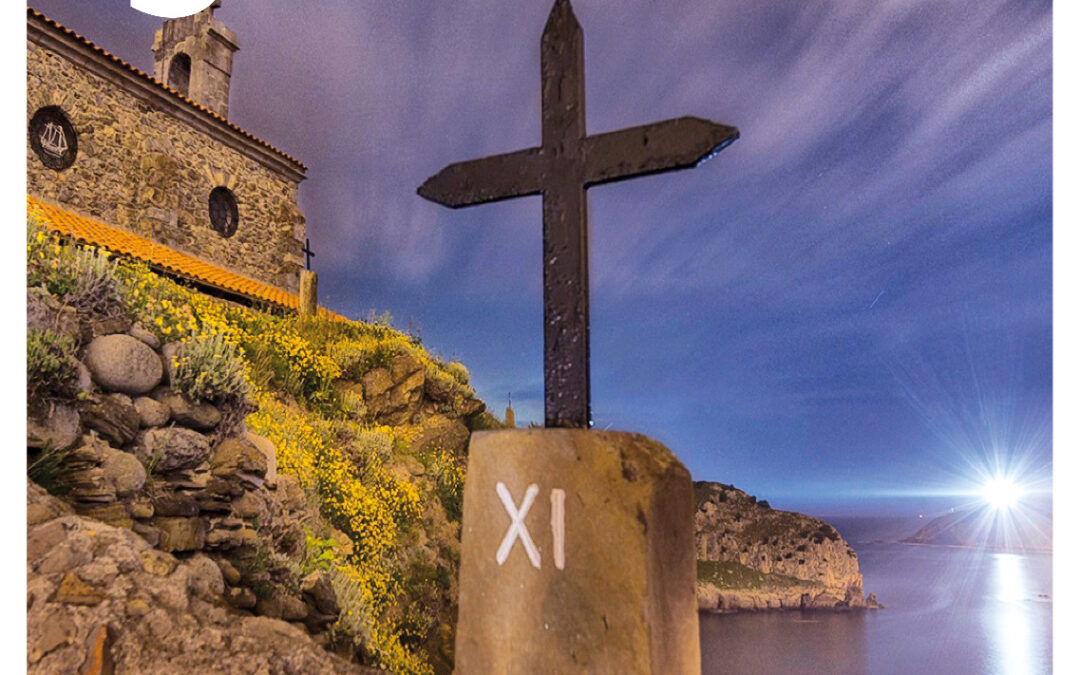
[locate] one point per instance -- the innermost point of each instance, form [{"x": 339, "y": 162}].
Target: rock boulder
[
  {"x": 55, "y": 426},
  {"x": 173, "y": 448},
  {"x": 122, "y": 363},
  {"x": 113, "y": 416}
]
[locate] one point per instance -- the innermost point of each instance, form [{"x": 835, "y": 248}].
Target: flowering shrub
[
  {"x": 211, "y": 367},
  {"x": 290, "y": 363},
  {"x": 360, "y": 498},
  {"x": 84, "y": 278},
  {"x": 449, "y": 473},
  {"x": 51, "y": 368},
  {"x": 458, "y": 371}
]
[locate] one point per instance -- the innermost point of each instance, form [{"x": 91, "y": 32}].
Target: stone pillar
[
  {"x": 577, "y": 555},
  {"x": 510, "y": 421},
  {"x": 309, "y": 293}
]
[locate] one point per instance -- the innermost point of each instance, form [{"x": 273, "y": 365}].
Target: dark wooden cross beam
[
  {"x": 567, "y": 162},
  {"x": 308, "y": 253}
]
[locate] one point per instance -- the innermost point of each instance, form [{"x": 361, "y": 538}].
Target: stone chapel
[{"x": 151, "y": 166}]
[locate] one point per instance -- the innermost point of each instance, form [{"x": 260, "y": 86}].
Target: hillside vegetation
[{"x": 362, "y": 486}]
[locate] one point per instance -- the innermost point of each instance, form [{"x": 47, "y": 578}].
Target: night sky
[{"x": 850, "y": 305}]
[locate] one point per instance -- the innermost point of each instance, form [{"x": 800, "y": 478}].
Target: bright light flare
[{"x": 1001, "y": 493}]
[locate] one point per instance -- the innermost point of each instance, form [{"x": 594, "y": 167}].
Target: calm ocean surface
[{"x": 948, "y": 610}]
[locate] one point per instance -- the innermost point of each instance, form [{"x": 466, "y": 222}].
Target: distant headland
[{"x": 1025, "y": 532}]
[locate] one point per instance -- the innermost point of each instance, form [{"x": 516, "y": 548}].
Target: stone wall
[
  {"x": 147, "y": 162},
  {"x": 181, "y": 474}
]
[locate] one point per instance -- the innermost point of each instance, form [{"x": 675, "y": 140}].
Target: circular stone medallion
[{"x": 53, "y": 138}]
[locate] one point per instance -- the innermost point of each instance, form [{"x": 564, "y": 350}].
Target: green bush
[
  {"x": 52, "y": 371},
  {"x": 355, "y": 358},
  {"x": 84, "y": 278},
  {"x": 43, "y": 261},
  {"x": 49, "y": 469},
  {"x": 211, "y": 368},
  {"x": 458, "y": 371},
  {"x": 97, "y": 293},
  {"x": 319, "y": 554}
]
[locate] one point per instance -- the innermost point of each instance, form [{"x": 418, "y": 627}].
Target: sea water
[{"x": 948, "y": 610}]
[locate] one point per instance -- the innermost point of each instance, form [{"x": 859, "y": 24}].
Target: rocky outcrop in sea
[{"x": 754, "y": 557}]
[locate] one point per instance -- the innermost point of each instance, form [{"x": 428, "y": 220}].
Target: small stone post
[
  {"x": 309, "y": 293},
  {"x": 577, "y": 556}
]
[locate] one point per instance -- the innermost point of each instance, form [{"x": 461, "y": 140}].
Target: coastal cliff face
[{"x": 752, "y": 557}]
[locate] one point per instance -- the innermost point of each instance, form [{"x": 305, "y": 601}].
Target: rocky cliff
[{"x": 752, "y": 557}]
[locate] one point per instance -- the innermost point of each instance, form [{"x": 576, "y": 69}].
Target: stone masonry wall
[{"x": 142, "y": 169}]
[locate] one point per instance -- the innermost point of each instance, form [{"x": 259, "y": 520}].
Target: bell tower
[{"x": 194, "y": 55}]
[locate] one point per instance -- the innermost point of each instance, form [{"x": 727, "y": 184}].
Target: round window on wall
[
  {"x": 53, "y": 139},
  {"x": 224, "y": 212}
]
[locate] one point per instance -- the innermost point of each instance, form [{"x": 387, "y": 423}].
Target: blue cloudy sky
[{"x": 853, "y": 301}]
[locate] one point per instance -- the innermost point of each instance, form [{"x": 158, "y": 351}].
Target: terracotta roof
[
  {"x": 189, "y": 267},
  {"x": 38, "y": 16}
]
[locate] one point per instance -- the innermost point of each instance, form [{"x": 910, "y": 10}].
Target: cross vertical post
[{"x": 566, "y": 227}]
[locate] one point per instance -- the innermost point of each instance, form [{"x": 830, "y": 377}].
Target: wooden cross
[
  {"x": 567, "y": 162},
  {"x": 308, "y": 253}
]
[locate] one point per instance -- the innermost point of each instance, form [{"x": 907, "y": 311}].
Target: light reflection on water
[
  {"x": 949, "y": 610},
  {"x": 1009, "y": 623}
]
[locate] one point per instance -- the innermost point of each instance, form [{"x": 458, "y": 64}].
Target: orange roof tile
[
  {"x": 125, "y": 243},
  {"x": 34, "y": 14}
]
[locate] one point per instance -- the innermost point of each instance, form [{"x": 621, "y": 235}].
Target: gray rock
[
  {"x": 181, "y": 534},
  {"x": 439, "y": 432},
  {"x": 198, "y": 415},
  {"x": 121, "y": 363},
  {"x": 90, "y": 485},
  {"x": 175, "y": 504},
  {"x": 124, "y": 471},
  {"x": 85, "y": 383},
  {"x": 110, "y": 326},
  {"x": 250, "y": 505},
  {"x": 56, "y": 426},
  {"x": 237, "y": 459},
  {"x": 173, "y": 448},
  {"x": 205, "y": 579},
  {"x": 142, "y": 334},
  {"x": 49, "y": 631},
  {"x": 113, "y": 416},
  {"x": 318, "y": 590},
  {"x": 266, "y": 447},
  {"x": 393, "y": 395},
  {"x": 229, "y": 573},
  {"x": 318, "y": 593},
  {"x": 41, "y": 506},
  {"x": 151, "y": 413},
  {"x": 169, "y": 352},
  {"x": 281, "y": 605},
  {"x": 242, "y": 598}
]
